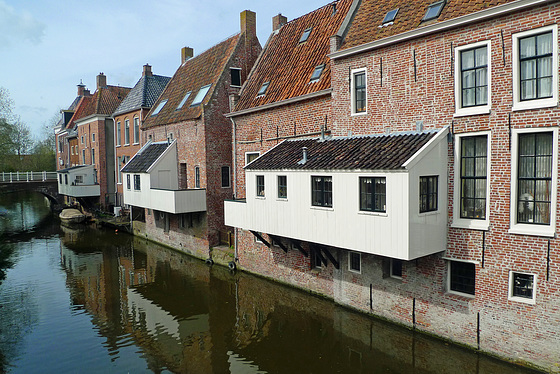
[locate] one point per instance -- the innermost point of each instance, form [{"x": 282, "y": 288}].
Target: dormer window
[
  {"x": 433, "y": 11},
  {"x": 184, "y": 100},
  {"x": 317, "y": 73},
  {"x": 305, "y": 35},
  {"x": 263, "y": 89},
  {"x": 159, "y": 107},
  {"x": 201, "y": 95},
  {"x": 390, "y": 16}
]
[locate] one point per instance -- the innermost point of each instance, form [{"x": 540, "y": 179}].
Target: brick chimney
[
  {"x": 81, "y": 88},
  {"x": 101, "y": 80},
  {"x": 248, "y": 23},
  {"x": 186, "y": 53},
  {"x": 278, "y": 21},
  {"x": 147, "y": 71}
]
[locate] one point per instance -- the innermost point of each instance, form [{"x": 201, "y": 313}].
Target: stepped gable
[
  {"x": 374, "y": 152},
  {"x": 288, "y": 63},
  {"x": 144, "y": 94},
  {"x": 366, "y": 28},
  {"x": 193, "y": 74},
  {"x": 142, "y": 161}
]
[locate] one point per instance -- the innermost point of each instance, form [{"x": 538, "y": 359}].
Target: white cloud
[{"x": 16, "y": 27}]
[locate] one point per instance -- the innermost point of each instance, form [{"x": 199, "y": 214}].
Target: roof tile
[{"x": 142, "y": 161}]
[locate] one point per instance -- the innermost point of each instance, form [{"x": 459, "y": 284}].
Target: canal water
[{"x": 81, "y": 300}]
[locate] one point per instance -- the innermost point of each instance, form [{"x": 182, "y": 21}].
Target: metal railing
[{"x": 28, "y": 176}]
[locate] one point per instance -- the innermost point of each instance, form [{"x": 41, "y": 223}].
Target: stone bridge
[{"x": 44, "y": 182}]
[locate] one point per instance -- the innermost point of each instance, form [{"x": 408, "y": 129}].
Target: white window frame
[
  {"x": 93, "y": 137},
  {"x": 127, "y": 132},
  {"x": 525, "y": 300},
  {"x": 527, "y": 228},
  {"x": 251, "y": 153},
  {"x": 448, "y": 281},
  {"x": 467, "y": 223},
  {"x": 536, "y": 103},
  {"x": 480, "y": 109},
  {"x": 350, "y": 262},
  {"x": 119, "y": 133},
  {"x": 136, "y": 130},
  {"x": 353, "y": 74}
]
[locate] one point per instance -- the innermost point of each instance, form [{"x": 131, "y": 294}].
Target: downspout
[{"x": 235, "y": 240}]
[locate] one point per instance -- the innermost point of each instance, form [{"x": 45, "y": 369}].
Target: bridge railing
[{"x": 27, "y": 176}]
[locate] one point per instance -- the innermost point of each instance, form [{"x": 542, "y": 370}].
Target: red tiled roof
[
  {"x": 365, "y": 26},
  {"x": 288, "y": 64},
  {"x": 373, "y": 152},
  {"x": 80, "y": 110},
  {"x": 195, "y": 73},
  {"x": 105, "y": 100}
]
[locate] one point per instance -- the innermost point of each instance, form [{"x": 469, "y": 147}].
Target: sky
[{"x": 48, "y": 47}]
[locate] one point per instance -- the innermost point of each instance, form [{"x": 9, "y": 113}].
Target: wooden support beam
[
  {"x": 279, "y": 242},
  {"x": 331, "y": 258},
  {"x": 258, "y": 236},
  {"x": 297, "y": 244},
  {"x": 317, "y": 250}
]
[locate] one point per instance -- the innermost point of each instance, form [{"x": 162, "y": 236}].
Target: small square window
[
  {"x": 305, "y": 35},
  {"x": 321, "y": 191},
  {"x": 201, "y": 95},
  {"x": 390, "y": 16},
  {"x": 522, "y": 287},
  {"x": 396, "y": 268},
  {"x": 317, "y": 73},
  {"x": 434, "y": 10},
  {"x": 282, "y": 187},
  {"x": 263, "y": 89},
  {"x": 260, "y": 185},
  {"x": 428, "y": 194},
  {"x": 372, "y": 194},
  {"x": 355, "y": 262},
  {"x": 462, "y": 277}
]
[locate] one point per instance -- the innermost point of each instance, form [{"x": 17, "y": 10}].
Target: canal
[{"x": 81, "y": 300}]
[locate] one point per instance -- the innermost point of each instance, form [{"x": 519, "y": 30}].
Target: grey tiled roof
[
  {"x": 144, "y": 94},
  {"x": 372, "y": 152},
  {"x": 142, "y": 161}
]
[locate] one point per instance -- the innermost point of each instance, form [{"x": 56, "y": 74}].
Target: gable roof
[
  {"x": 193, "y": 74},
  {"x": 104, "y": 101},
  {"x": 373, "y": 152},
  {"x": 288, "y": 64},
  {"x": 145, "y": 157},
  {"x": 365, "y": 27},
  {"x": 80, "y": 111},
  {"x": 144, "y": 94}
]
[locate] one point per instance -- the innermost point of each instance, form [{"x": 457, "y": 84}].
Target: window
[
  {"x": 321, "y": 191},
  {"x": 354, "y": 262},
  {"x": 235, "y": 74},
  {"x": 473, "y": 176},
  {"x": 60, "y": 178},
  {"x": 136, "y": 130},
  {"x": 433, "y": 11},
  {"x": 136, "y": 182},
  {"x": 83, "y": 156},
  {"x": 396, "y": 268},
  {"x": 305, "y": 35},
  {"x": 317, "y": 73},
  {"x": 428, "y": 194},
  {"x": 196, "y": 177},
  {"x": 472, "y": 79},
  {"x": 65, "y": 178},
  {"x": 282, "y": 187},
  {"x": 522, "y": 287},
  {"x": 126, "y": 132},
  {"x": 534, "y": 178},
  {"x": 128, "y": 181},
  {"x": 93, "y": 138},
  {"x": 390, "y": 16},
  {"x": 79, "y": 179},
  {"x": 201, "y": 95},
  {"x": 461, "y": 277},
  {"x": 159, "y": 107},
  {"x": 358, "y": 91},
  {"x": 119, "y": 133},
  {"x": 225, "y": 177},
  {"x": 316, "y": 259},
  {"x": 185, "y": 98},
  {"x": 82, "y": 139},
  {"x": 372, "y": 194},
  {"x": 260, "y": 185},
  {"x": 93, "y": 156},
  {"x": 263, "y": 89},
  {"x": 535, "y": 68},
  {"x": 119, "y": 174},
  {"x": 250, "y": 157}
]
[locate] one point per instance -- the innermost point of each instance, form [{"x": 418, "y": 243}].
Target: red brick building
[
  {"x": 189, "y": 116},
  {"x": 369, "y": 235}
]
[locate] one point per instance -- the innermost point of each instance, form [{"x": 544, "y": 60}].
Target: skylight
[
  {"x": 317, "y": 73},
  {"x": 184, "y": 100},
  {"x": 390, "y": 16},
  {"x": 201, "y": 95},
  {"x": 159, "y": 107},
  {"x": 262, "y": 91},
  {"x": 305, "y": 35},
  {"x": 433, "y": 11}
]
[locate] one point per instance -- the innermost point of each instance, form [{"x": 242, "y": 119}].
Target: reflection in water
[{"x": 107, "y": 302}]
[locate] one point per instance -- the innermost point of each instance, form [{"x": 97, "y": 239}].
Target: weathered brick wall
[{"x": 125, "y": 150}]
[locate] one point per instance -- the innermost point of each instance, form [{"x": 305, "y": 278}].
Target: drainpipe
[{"x": 235, "y": 240}]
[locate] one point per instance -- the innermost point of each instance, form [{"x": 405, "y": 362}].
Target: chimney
[
  {"x": 101, "y": 80},
  {"x": 304, "y": 159},
  {"x": 186, "y": 53},
  {"x": 81, "y": 88},
  {"x": 147, "y": 71},
  {"x": 248, "y": 23},
  {"x": 278, "y": 21}
]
